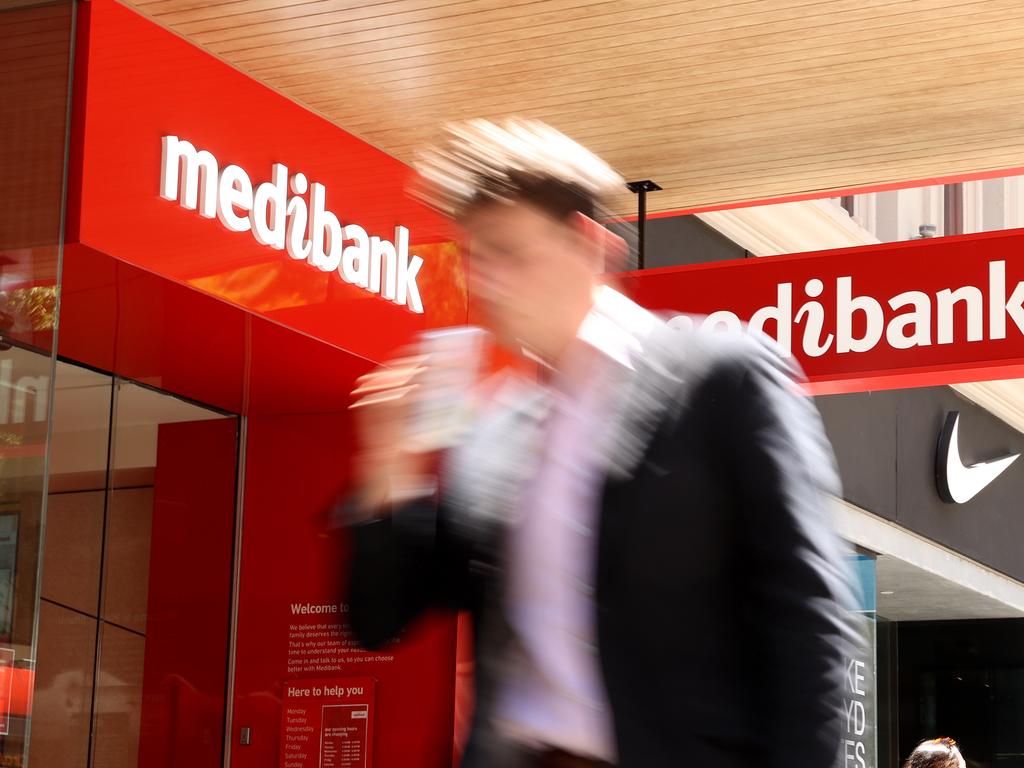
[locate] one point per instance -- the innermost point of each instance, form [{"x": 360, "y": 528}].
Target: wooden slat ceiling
[{"x": 716, "y": 100}]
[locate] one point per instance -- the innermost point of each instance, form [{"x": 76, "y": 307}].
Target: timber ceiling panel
[{"x": 717, "y": 100}]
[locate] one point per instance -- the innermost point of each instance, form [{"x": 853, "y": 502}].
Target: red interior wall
[
  {"x": 295, "y": 467},
  {"x": 190, "y": 573}
]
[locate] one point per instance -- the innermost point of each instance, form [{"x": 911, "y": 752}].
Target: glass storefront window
[
  {"x": 135, "y": 600},
  {"x": 964, "y": 679},
  {"x": 35, "y": 62}
]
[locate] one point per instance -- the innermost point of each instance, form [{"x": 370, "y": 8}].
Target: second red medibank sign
[{"x": 923, "y": 312}]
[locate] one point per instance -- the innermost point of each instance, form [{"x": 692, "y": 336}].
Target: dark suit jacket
[{"x": 721, "y": 595}]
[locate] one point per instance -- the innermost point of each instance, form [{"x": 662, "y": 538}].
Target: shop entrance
[{"x": 135, "y": 553}]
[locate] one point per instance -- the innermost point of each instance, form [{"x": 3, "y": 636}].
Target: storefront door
[{"x": 135, "y": 591}]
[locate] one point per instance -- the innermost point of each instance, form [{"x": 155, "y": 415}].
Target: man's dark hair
[
  {"x": 935, "y": 753},
  {"x": 555, "y": 197},
  {"x": 479, "y": 162}
]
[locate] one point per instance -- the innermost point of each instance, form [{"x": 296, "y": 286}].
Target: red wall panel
[
  {"x": 295, "y": 467},
  {"x": 188, "y": 614}
]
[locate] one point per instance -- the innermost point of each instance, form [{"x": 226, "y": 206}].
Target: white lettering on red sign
[
  {"x": 902, "y": 321},
  {"x": 306, "y": 231}
]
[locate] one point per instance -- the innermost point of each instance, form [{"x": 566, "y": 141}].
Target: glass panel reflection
[
  {"x": 69, "y": 598},
  {"x": 24, "y": 404},
  {"x": 166, "y": 579},
  {"x": 34, "y": 83},
  {"x": 135, "y": 597}
]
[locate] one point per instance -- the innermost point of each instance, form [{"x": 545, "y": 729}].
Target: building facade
[{"x": 193, "y": 271}]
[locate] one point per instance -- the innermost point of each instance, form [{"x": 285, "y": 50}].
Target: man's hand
[{"x": 385, "y": 465}]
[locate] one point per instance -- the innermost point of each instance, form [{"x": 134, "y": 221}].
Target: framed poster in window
[{"x": 8, "y": 560}]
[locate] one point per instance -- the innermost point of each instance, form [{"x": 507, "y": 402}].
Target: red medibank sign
[
  {"x": 278, "y": 216},
  {"x": 922, "y": 312},
  {"x": 189, "y": 169}
]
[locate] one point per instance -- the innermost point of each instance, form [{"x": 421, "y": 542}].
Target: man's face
[{"x": 532, "y": 274}]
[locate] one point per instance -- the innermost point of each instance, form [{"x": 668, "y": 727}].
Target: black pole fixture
[{"x": 641, "y": 188}]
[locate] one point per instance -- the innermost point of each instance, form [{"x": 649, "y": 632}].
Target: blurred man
[{"x": 640, "y": 535}]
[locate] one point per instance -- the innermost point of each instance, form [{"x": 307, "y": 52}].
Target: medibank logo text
[
  {"x": 972, "y": 313},
  {"x": 278, "y": 215}
]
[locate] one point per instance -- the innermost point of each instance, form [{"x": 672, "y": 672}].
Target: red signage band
[
  {"x": 278, "y": 216},
  {"x": 920, "y": 312},
  {"x": 185, "y": 167}
]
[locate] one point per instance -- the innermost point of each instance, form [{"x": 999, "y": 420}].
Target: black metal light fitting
[{"x": 641, "y": 188}]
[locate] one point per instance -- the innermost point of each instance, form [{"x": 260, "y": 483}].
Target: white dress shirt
[{"x": 557, "y": 697}]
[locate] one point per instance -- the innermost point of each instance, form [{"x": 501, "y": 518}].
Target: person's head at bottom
[
  {"x": 526, "y": 199},
  {"x": 936, "y": 753}
]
